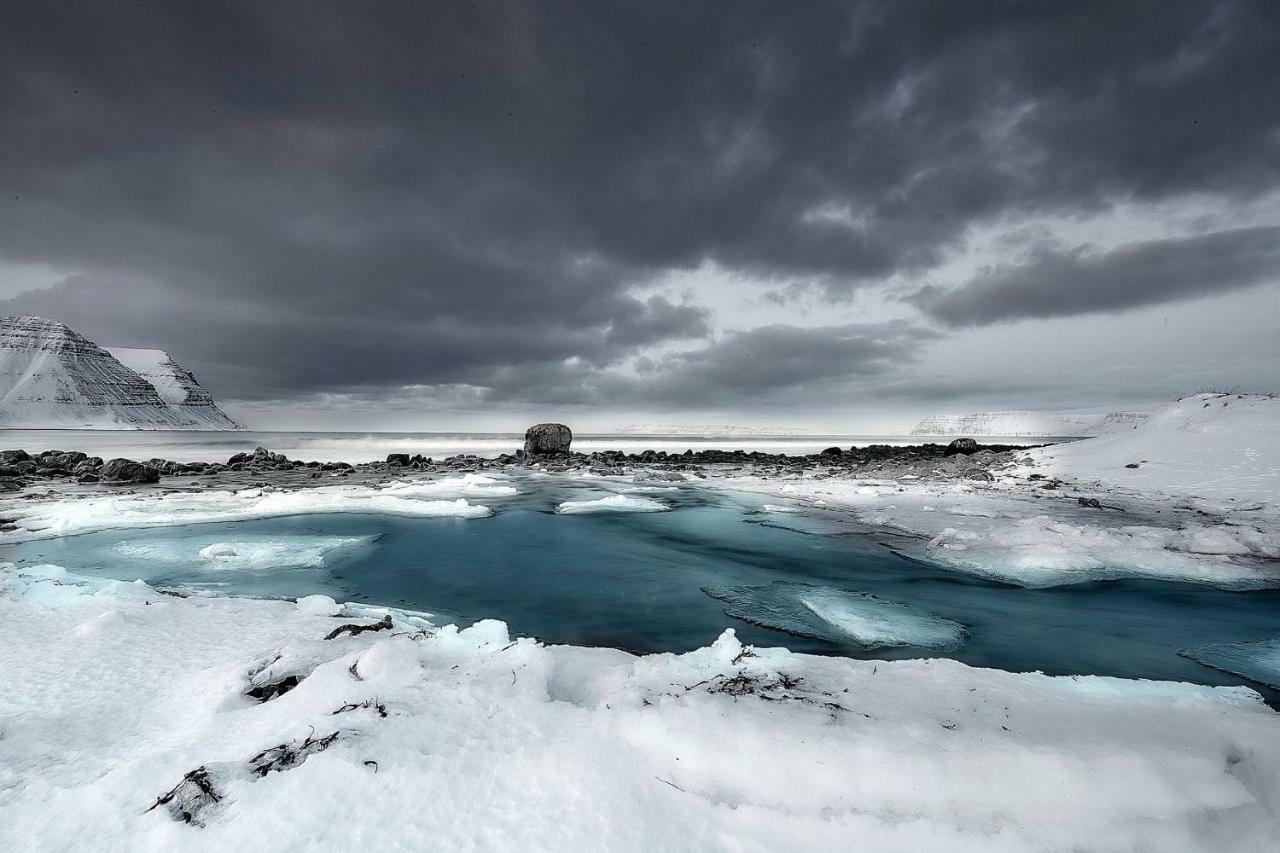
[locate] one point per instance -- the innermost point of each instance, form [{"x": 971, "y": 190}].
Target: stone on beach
[{"x": 547, "y": 439}]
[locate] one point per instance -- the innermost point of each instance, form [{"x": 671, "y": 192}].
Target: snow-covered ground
[
  {"x": 125, "y": 725},
  {"x": 138, "y": 720},
  {"x": 1201, "y": 504}
]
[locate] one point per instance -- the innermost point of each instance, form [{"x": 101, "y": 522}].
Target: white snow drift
[{"x": 425, "y": 738}]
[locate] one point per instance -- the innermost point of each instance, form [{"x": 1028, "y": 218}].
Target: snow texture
[{"x": 417, "y": 737}]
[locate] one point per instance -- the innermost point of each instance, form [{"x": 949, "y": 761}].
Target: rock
[
  {"x": 962, "y": 445},
  {"x": 122, "y": 471},
  {"x": 1132, "y": 465},
  {"x": 401, "y": 459},
  {"x": 1092, "y": 503},
  {"x": 547, "y": 439},
  {"x": 832, "y": 451},
  {"x": 10, "y": 456}
]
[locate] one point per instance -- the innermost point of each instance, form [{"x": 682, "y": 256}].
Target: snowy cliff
[
  {"x": 53, "y": 377},
  {"x": 1059, "y": 424},
  {"x": 176, "y": 385}
]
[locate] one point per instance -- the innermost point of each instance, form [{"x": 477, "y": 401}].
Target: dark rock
[
  {"x": 1132, "y": 465},
  {"x": 88, "y": 478},
  {"x": 547, "y": 439},
  {"x": 128, "y": 471},
  {"x": 832, "y": 451},
  {"x": 398, "y": 459},
  {"x": 962, "y": 445},
  {"x": 11, "y": 456},
  {"x": 1092, "y": 503}
]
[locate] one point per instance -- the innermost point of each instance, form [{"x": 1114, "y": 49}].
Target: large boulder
[
  {"x": 547, "y": 439},
  {"x": 121, "y": 471},
  {"x": 962, "y": 445}
]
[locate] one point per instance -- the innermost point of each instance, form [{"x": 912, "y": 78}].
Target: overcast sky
[{"x": 470, "y": 215}]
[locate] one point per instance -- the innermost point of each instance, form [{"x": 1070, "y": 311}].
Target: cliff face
[{"x": 53, "y": 377}]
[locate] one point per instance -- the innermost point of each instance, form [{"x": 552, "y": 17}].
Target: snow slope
[
  {"x": 1220, "y": 447},
  {"x": 176, "y": 385},
  {"x": 430, "y": 738},
  {"x": 52, "y": 377}
]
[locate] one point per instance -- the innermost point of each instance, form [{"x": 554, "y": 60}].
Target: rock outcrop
[
  {"x": 547, "y": 439},
  {"x": 126, "y": 471}
]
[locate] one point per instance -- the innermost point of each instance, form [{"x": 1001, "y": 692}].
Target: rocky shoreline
[{"x": 961, "y": 459}]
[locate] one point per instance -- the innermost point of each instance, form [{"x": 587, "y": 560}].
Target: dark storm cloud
[
  {"x": 1061, "y": 283},
  {"x": 308, "y": 197}
]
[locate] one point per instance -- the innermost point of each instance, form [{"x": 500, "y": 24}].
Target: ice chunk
[
  {"x": 1258, "y": 661},
  {"x": 838, "y": 615},
  {"x": 468, "y": 485},
  {"x": 613, "y": 503},
  {"x": 252, "y": 553},
  {"x": 319, "y": 605}
]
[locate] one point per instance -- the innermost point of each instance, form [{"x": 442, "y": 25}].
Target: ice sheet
[
  {"x": 1258, "y": 660},
  {"x": 247, "y": 553},
  {"x": 838, "y": 615},
  {"x": 93, "y": 512}
]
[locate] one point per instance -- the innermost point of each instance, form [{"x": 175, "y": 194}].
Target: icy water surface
[{"x": 672, "y": 580}]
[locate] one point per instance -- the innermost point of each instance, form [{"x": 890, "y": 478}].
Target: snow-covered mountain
[
  {"x": 176, "y": 385},
  {"x": 1042, "y": 424},
  {"x": 53, "y": 377}
]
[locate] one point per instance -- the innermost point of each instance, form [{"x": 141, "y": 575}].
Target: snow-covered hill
[
  {"x": 1059, "y": 424},
  {"x": 1213, "y": 446},
  {"x": 53, "y": 377}
]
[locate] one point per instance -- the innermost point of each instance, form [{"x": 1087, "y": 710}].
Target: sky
[{"x": 838, "y": 217}]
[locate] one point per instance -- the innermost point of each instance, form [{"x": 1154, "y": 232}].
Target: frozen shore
[
  {"x": 148, "y": 721},
  {"x": 134, "y": 720}
]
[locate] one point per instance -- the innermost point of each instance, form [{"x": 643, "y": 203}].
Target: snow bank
[
  {"x": 437, "y": 738},
  {"x": 838, "y": 615},
  {"x": 613, "y": 503},
  {"x": 95, "y": 511}
]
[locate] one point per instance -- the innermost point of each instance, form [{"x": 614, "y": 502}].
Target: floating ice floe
[
  {"x": 613, "y": 503},
  {"x": 1258, "y": 661},
  {"x": 468, "y": 485},
  {"x": 89, "y": 513},
  {"x": 838, "y": 615},
  {"x": 254, "y": 553},
  {"x": 509, "y": 743}
]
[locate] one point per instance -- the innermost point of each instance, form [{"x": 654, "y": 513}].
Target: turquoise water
[{"x": 663, "y": 581}]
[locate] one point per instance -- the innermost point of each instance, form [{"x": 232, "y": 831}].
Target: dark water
[{"x": 636, "y": 581}]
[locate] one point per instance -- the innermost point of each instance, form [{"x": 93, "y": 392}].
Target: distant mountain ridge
[
  {"x": 1030, "y": 424},
  {"x": 52, "y": 377}
]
